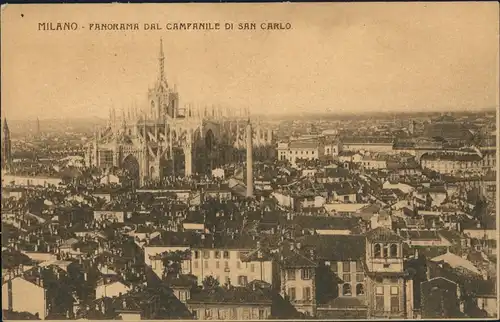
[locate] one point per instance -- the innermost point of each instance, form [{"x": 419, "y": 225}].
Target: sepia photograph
[{"x": 251, "y": 161}]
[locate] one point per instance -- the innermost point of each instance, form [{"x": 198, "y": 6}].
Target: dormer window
[{"x": 377, "y": 253}]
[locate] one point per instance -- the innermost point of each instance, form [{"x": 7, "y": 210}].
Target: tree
[
  {"x": 210, "y": 283},
  {"x": 172, "y": 261},
  {"x": 326, "y": 284}
]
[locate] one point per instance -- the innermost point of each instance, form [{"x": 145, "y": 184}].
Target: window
[
  {"x": 262, "y": 315},
  {"x": 291, "y": 293},
  {"x": 246, "y": 314},
  {"x": 359, "y": 266},
  {"x": 206, "y": 264},
  {"x": 252, "y": 268},
  {"x": 234, "y": 313},
  {"x": 346, "y": 278},
  {"x": 379, "y": 298},
  {"x": 394, "y": 303},
  {"x": 386, "y": 251},
  {"x": 346, "y": 266},
  {"x": 206, "y": 254},
  {"x": 238, "y": 265},
  {"x": 394, "y": 250},
  {"x": 217, "y": 264},
  {"x": 196, "y": 255},
  {"x": 226, "y": 264},
  {"x": 290, "y": 274},
  {"x": 334, "y": 267},
  {"x": 306, "y": 274},
  {"x": 242, "y": 280},
  {"x": 105, "y": 159},
  {"x": 182, "y": 295},
  {"x": 226, "y": 254},
  {"x": 360, "y": 277},
  {"x": 346, "y": 289},
  {"x": 208, "y": 313},
  {"x": 196, "y": 314},
  {"x": 394, "y": 290},
  {"x": 195, "y": 264},
  {"x": 360, "y": 289},
  {"x": 377, "y": 251},
  {"x": 217, "y": 254},
  {"x": 307, "y": 293}
]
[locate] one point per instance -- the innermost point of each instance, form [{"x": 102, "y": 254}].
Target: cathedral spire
[{"x": 161, "y": 59}]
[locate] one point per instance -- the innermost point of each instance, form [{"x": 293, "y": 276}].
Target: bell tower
[{"x": 386, "y": 284}]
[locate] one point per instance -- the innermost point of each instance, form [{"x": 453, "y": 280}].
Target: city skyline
[{"x": 442, "y": 57}]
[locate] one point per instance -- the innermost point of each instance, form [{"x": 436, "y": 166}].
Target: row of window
[
  {"x": 305, "y": 274},
  {"x": 380, "y": 299},
  {"x": 385, "y": 250},
  {"x": 206, "y": 265},
  {"x": 306, "y": 294},
  {"x": 302, "y": 152},
  {"x": 346, "y": 267},
  {"x": 241, "y": 281},
  {"x": 347, "y": 278},
  {"x": 217, "y": 254},
  {"x": 347, "y": 289},
  {"x": 223, "y": 314}
]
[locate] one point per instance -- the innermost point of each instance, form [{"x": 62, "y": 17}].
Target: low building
[
  {"x": 25, "y": 180},
  {"x": 297, "y": 276},
  {"x": 231, "y": 303},
  {"x": 16, "y": 291}
]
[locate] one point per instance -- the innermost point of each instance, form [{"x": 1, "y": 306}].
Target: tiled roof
[
  {"x": 382, "y": 234},
  {"x": 451, "y": 157},
  {"x": 296, "y": 258},
  {"x": 336, "y": 247},
  {"x": 420, "y": 235},
  {"x": 322, "y": 222}
]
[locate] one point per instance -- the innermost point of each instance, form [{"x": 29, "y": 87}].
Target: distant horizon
[{"x": 290, "y": 115}]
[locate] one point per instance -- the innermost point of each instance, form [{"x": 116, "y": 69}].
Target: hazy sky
[{"x": 341, "y": 57}]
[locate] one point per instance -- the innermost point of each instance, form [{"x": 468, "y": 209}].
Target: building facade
[{"x": 160, "y": 138}]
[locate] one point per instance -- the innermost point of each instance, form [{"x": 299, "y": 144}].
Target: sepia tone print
[{"x": 249, "y": 161}]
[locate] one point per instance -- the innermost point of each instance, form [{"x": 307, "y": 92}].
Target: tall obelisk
[{"x": 249, "y": 148}]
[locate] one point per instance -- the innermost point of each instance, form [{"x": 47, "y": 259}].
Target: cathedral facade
[{"x": 162, "y": 139}]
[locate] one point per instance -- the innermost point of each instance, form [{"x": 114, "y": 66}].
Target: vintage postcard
[{"x": 249, "y": 161}]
